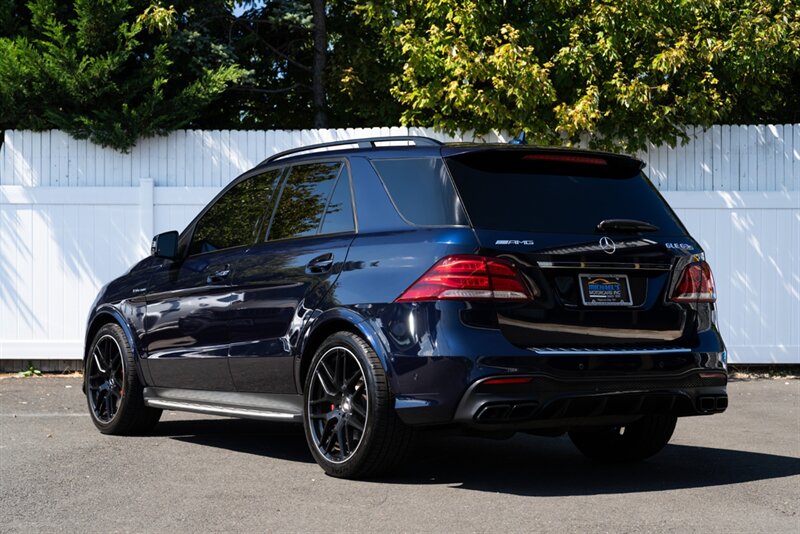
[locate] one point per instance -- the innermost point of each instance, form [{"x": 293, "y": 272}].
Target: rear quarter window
[{"x": 421, "y": 190}]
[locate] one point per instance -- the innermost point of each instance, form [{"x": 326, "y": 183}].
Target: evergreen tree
[{"x": 113, "y": 71}]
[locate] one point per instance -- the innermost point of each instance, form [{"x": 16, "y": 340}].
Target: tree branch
[
  {"x": 267, "y": 91},
  {"x": 273, "y": 49}
]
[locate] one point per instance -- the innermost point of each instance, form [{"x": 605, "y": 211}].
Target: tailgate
[{"x": 594, "y": 284}]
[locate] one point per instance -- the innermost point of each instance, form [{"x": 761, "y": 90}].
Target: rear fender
[{"x": 335, "y": 319}]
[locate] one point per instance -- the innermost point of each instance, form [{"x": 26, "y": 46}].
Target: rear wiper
[{"x": 625, "y": 225}]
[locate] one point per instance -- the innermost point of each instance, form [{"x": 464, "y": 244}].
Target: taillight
[
  {"x": 468, "y": 278},
  {"x": 696, "y": 284}
]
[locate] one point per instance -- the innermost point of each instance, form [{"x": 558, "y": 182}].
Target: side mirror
[{"x": 165, "y": 245}]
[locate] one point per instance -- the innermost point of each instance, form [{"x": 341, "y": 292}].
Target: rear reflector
[
  {"x": 696, "y": 284},
  {"x": 509, "y": 380},
  {"x": 563, "y": 158},
  {"x": 713, "y": 374},
  {"x": 468, "y": 278}
]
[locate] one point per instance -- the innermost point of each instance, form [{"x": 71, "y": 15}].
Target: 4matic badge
[{"x": 679, "y": 246}]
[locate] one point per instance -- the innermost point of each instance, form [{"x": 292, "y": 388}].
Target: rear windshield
[{"x": 506, "y": 191}]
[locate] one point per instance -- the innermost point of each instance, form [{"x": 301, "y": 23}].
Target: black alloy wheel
[
  {"x": 113, "y": 391},
  {"x": 349, "y": 418},
  {"x": 338, "y": 404},
  {"x": 105, "y": 378}
]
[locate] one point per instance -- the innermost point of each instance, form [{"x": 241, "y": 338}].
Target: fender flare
[
  {"x": 118, "y": 317},
  {"x": 359, "y": 323}
]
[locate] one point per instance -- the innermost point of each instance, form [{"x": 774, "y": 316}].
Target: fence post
[{"x": 146, "y": 208}]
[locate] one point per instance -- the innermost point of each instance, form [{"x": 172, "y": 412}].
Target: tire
[
  {"x": 113, "y": 391},
  {"x": 630, "y": 443},
  {"x": 337, "y": 402}
]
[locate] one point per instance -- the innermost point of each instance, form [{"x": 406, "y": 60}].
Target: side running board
[{"x": 231, "y": 404}]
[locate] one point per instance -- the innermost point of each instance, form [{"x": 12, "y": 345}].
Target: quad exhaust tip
[
  {"x": 507, "y": 412},
  {"x": 520, "y": 411},
  {"x": 712, "y": 404}
]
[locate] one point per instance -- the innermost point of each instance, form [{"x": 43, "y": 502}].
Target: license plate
[{"x": 605, "y": 290}]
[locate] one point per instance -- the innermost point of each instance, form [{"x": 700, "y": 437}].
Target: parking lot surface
[{"x": 735, "y": 472}]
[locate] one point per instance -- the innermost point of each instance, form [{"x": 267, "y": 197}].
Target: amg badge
[{"x": 514, "y": 242}]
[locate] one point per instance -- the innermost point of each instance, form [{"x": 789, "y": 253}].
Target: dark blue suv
[{"x": 372, "y": 289}]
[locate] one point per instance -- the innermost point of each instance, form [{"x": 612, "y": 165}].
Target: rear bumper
[
  {"x": 542, "y": 401},
  {"x": 438, "y": 366},
  {"x": 547, "y": 402}
]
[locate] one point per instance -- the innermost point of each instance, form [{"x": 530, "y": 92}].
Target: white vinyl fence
[{"x": 74, "y": 216}]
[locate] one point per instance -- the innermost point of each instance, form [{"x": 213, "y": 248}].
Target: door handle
[
  {"x": 320, "y": 264},
  {"x": 219, "y": 275}
]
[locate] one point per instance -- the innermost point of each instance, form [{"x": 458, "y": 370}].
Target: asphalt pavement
[{"x": 734, "y": 472}]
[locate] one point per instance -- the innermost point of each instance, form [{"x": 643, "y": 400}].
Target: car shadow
[
  {"x": 277, "y": 440},
  {"x": 523, "y": 465},
  {"x": 548, "y": 467}
]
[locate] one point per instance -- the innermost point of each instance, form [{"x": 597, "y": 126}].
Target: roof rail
[{"x": 370, "y": 142}]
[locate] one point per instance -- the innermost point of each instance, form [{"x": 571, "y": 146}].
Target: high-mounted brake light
[
  {"x": 468, "y": 278},
  {"x": 564, "y": 158},
  {"x": 696, "y": 284}
]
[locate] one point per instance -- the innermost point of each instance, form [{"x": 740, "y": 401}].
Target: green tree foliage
[
  {"x": 624, "y": 71},
  {"x": 361, "y": 70},
  {"x": 621, "y": 71},
  {"x": 112, "y": 71},
  {"x": 274, "y": 40}
]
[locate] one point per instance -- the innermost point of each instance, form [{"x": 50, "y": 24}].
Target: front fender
[{"x": 102, "y": 314}]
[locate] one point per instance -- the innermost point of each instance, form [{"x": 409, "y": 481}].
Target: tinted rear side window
[
  {"x": 339, "y": 212},
  {"x": 422, "y": 191},
  {"x": 303, "y": 200},
  {"x": 234, "y": 220},
  {"x": 504, "y": 191}
]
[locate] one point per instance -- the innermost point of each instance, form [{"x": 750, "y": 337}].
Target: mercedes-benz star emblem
[{"x": 608, "y": 245}]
